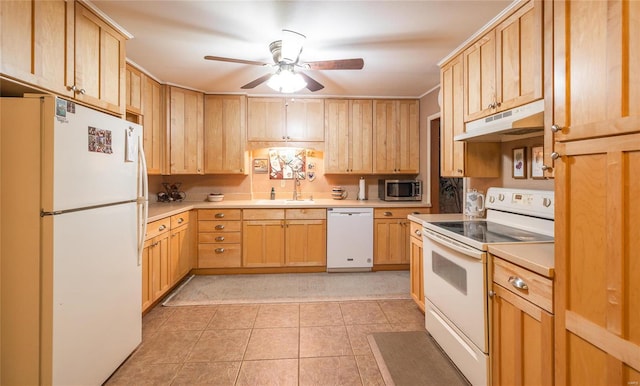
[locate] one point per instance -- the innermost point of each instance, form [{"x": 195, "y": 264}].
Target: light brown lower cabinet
[
  {"x": 391, "y": 235},
  {"x": 416, "y": 264},
  {"x": 219, "y": 238},
  {"x": 166, "y": 256},
  {"x": 522, "y": 326}
]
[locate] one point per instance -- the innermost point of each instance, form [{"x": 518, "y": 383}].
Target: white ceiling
[{"x": 401, "y": 42}]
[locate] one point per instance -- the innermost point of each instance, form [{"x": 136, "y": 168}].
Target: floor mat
[
  {"x": 291, "y": 288},
  {"x": 413, "y": 359}
]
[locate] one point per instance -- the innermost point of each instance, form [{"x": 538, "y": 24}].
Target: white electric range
[{"x": 455, "y": 270}]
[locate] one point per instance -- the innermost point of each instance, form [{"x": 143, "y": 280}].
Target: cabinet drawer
[
  {"x": 535, "y": 288},
  {"x": 157, "y": 227},
  {"x": 416, "y": 230},
  {"x": 220, "y": 238},
  {"x": 398, "y": 212},
  {"x": 219, "y": 214},
  {"x": 179, "y": 219},
  {"x": 219, "y": 256},
  {"x": 219, "y": 226},
  {"x": 306, "y": 213},
  {"x": 263, "y": 214}
]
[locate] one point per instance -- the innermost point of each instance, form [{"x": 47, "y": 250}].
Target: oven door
[{"x": 455, "y": 283}]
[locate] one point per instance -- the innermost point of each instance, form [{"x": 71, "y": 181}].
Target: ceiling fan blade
[
  {"x": 256, "y": 82},
  {"x": 341, "y": 64},
  {"x": 312, "y": 84},
  {"x": 231, "y": 60}
]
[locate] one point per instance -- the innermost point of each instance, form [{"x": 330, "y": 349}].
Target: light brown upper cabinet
[
  {"x": 503, "y": 68},
  {"x": 225, "y": 134},
  {"x": 348, "y": 136},
  {"x": 99, "y": 62},
  {"x": 153, "y": 124},
  {"x": 285, "y": 119},
  {"x": 63, "y": 47},
  {"x": 396, "y": 136},
  {"x": 461, "y": 159},
  {"x": 186, "y": 128},
  {"x": 37, "y": 42},
  {"x": 133, "y": 89}
]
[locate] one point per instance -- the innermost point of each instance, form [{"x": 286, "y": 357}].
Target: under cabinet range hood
[{"x": 517, "y": 123}]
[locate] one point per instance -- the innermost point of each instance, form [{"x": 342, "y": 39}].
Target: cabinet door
[
  {"x": 417, "y": 278},
  {"x": 305, "y": 120},
  {"x": 337, "y": 151},
  {"x": 263, "y": 243},
  {"x": 452, "y": 123},
  {"x": 160, "y": 276},
  {"x": 266, "y": 119},
  {"x": 519, "y": 57},
  {"x": 522, "y": 341},
  {"x": 186, "y": 120},
  {"x": 384, "y": 141},
  {"x": 408, "y": 137},
  {"x": 99, "y": 62},
  {"x": 480, "y": 78},
  {"x": 597, "y": 260},
  {"x": 391, "y": 242},
  {"x": 596, "y": 87},
  {"x": 153, "y": 124},
  {"x": 306, "y": 243},
  {"x": 37, "y": 41},
  {"x": 147, "y": 261},
  {"x": 133, "y": 89},
  {"x": 180, "y": 253},
  {"x": 360, "y": 136},
  {"x": 224, "y": 134}
]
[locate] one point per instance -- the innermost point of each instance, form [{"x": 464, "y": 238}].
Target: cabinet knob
[
  {"x": 545, "y": 167},
  {"x": 492, "y": 294},
  {"x": 555, "y": 128},
  {"x": 82, "y": 91},
  {"x": 387, "y": 214},
  {"x": 220, "y": 227},
  {"x": 418, "y": 233},
  {"x": 180, "y": 220},
  {"x": 219, "y": 215},
  {"x": 459, "y": 171},
  {"x": 555, "y": 155},
  {"x": 162, "y": 227},
  {"x": 219, "y": 250}
]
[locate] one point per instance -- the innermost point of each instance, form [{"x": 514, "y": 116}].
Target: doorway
[{"x": 446, "y": 192}]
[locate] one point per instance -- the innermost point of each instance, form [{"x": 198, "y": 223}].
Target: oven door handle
[{"x": 449, "y": 243}]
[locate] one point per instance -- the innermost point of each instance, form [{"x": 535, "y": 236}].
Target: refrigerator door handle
[{"x": 143, "y": 199}]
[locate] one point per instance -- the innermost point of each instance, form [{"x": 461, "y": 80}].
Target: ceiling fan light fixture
[{"x": 285, "y": 80}]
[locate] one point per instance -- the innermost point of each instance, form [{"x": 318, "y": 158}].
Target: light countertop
[{"x": 160, "y": 210}]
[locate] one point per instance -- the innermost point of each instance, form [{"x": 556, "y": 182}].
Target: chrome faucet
[{"x": 296, "y": 185}]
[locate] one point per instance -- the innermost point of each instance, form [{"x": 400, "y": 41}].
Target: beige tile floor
[{"x": 321, "y": 343}]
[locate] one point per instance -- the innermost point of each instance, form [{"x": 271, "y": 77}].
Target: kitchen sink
[{"x": 284, "y": 202}]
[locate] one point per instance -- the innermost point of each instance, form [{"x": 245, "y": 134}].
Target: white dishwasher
[{"x": 349, "y": 239}]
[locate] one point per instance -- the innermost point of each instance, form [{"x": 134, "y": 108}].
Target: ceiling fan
[{"x": 286, "y": 58}]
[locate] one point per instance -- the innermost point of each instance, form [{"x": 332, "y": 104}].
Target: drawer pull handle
[
  {"x": 220, "y": 227},
  {"x": 219, "y": 250},
  {"x": 162, "y": 227},
  {"x": 418, "y": 233},
  {"x": 518, "y": 283},
  {"x": 219, "y": 215},
  {"x": 387, "y": 214},
  {"x": 220, "y": 238},
  {"x": 180, "y": 220}
]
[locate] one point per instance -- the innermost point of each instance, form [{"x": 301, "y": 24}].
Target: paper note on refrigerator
[{"x": 130, "y": 146}]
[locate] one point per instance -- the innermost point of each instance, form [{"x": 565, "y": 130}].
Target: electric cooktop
[{"x": 490, "y": 232}]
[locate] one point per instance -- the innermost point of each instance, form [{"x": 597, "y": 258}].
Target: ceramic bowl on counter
[{"x": 215, "y": 197}]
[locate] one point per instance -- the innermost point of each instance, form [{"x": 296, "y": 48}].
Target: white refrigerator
[{"x": 92, "y": 219}]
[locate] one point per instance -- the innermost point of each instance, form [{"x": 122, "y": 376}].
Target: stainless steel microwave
[{"x": 400, "y": 190}]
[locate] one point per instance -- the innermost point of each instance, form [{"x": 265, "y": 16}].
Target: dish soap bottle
[{"x": 273, "y": 193}]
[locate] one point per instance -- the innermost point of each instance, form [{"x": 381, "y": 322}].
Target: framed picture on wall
[
  {"x": 519, "y": 170},
  {"x": 537, "y": 160}
]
